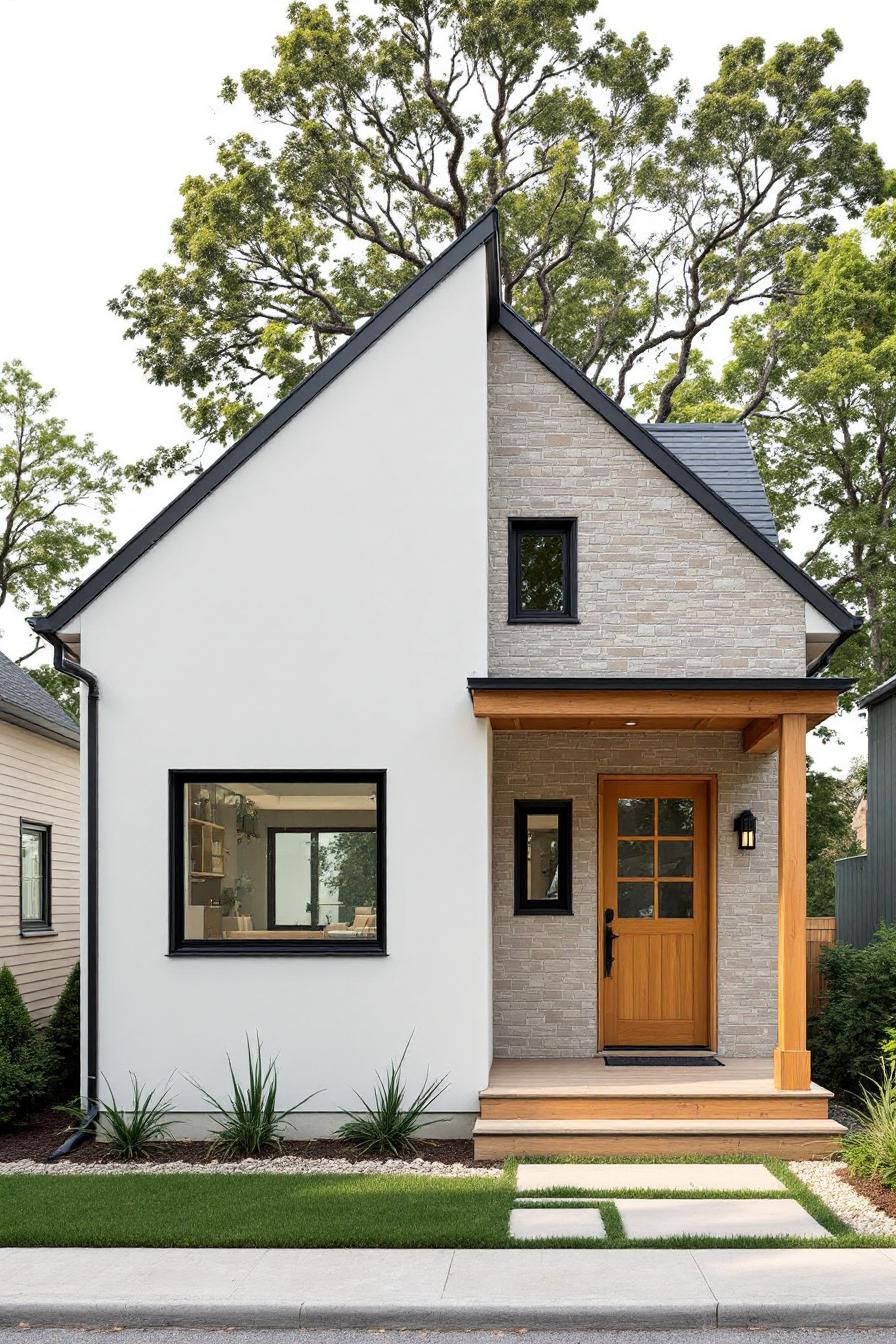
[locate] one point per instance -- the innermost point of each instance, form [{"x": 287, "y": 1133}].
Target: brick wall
[
  {"x": 663, "y": 588},
  {"x": 545, "y": 968}
]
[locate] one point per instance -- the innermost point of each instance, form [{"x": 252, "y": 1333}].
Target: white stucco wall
[{"x": 321, "y": 609}]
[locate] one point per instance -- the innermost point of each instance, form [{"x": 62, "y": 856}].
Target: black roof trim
[
  {"x": 670, "y": 465},
  {"x": 483, "y": 233},
  {"x": 878, "y": 694},
  {"x": 838, "y": 684}
]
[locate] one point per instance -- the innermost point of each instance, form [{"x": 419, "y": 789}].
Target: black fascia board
[
  {"x": 878, "y": 694},
  {"x": 838, "y": 684},
  {"x": 483, "y": 233},
  {"x": 692, "y": 485}
]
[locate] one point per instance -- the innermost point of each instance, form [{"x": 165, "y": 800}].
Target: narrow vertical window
[
  {"x": 543, "y": 858},
  {"x": 542, "y": 570},
  {"x": 34, "y": 877}
]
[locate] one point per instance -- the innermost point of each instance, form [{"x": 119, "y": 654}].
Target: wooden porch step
[
  {"x": 601, "y": 1105},
  {"x": 806, "y": 1138}
]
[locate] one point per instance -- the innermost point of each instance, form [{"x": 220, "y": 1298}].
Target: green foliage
[
  {"x": 250, "y": 1123},
  {"x": 859, "y": 1010},
  {"x": 831, "y": 804},
  {"x": 50, "y": 485},
  {"x": 888, "y": 1046},
  {"x": 634, "y": 215},
  {"x": 63, "y": 689},
  {"x": 871, "y": 1150},
  {"x": 387, "y": 1125},
  {"x": 348, "y": 862},
  {"x": 63, "y": 1039},
  {"x": 135, "y": 1131},
  {"x": 23, "y": 1059}
]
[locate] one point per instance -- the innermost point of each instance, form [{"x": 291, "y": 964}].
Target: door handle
[{"x": 609, "y": 939}]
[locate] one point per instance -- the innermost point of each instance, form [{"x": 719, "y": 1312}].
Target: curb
[{"x": 460, "y": 1316}]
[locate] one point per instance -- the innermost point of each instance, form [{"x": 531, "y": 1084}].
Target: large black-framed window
[
  {"x": 542, "y": 577},
  {"x": 542, "y": 856},
  {"x": 278, "y": 862},
  {"x": 35, "y": 883}
]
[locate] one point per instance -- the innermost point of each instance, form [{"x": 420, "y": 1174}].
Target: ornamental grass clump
[
  {"x": 386, "y": 1126},
  {"x": 134, "y": 1132},
  {"x": 250, "y": 1123},
  {"x": 870, "y": 1151}
]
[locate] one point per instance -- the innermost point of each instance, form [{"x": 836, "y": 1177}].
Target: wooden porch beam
[
  {"x": 760, "y": 737},
  {"x": 816, "y": 704},
  {"x": 792, "y": 1061}
]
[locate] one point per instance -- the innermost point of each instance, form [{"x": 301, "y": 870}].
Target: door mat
[{"x": 664, "y": 1061}]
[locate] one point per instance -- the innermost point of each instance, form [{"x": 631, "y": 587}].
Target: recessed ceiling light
[{"x": 631, "y": 723}]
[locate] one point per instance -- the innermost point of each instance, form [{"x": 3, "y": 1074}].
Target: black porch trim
[{"x": 838, "y": 684}]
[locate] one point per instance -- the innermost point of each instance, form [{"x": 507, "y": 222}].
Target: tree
[
  {"x": 634, "y": 217},
  {"x": 348, "y": 864},
  {"x": 814, "y": 377},
  {"x": 62, "y": 688},
  {"x": 49, "y": 480},
  {"x": 831, "y": 804}
]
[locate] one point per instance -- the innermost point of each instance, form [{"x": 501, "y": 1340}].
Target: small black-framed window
[
  {"x": 542, "y": 587},
  {"x": 542, "y": 859},
  {"x": 278, "y": 862},
  {"x": 35, "y": 914}
]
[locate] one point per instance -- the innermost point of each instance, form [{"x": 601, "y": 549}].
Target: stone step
[{"x": 807, "y": 1138}]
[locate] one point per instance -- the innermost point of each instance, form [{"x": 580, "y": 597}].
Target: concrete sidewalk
[{"x": 449, "y": 1289}]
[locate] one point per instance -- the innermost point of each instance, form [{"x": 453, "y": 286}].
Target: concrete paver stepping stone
[
  {"x": 719, "y": 1176},
  {"x": 717, "y": 1218},
  {"x": 536, "y": 1224}
]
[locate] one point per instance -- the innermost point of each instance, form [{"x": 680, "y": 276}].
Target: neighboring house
[
  {"x": 449, "y": 641},
  {"x": 39, "y": 825},
  {"x": 866, "y": 883}
]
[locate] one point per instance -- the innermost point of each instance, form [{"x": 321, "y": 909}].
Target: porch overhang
[{"x": 751, "y": 706}]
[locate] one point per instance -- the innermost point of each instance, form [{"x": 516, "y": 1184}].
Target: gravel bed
[
  {"x": 828, "y": 1181},
  {"x": 278, "y": 1166}
]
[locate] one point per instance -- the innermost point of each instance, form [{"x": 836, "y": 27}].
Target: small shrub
[
  {"x": 859, "y": 1009},
  {"x": 250, "y": 1123},
  {"x": 135, "y": 1131},
  {"x": 23, "y": 1055},
  {"x": 871, "y": 1150},
  {"x": 385, "y": 1125},
  {"x": 888, "y": 1047},
  {"x": 63, "y": 1039}
]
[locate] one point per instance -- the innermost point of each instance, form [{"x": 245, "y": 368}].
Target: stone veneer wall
[
  {"x": 545, "y": 967},
  {"x": 663, "y": 588}
]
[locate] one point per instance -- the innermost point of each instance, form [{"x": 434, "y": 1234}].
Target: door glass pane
[
  {"x": 541, "y": 571},
  {"x": 676, "y": 858},
  {"x": 676, "y": 900},
  {"x": 634, "y": 816},
  {"x": 634, "y": 900},
  {"x": 544, "y": 851},
  {"x": 635, "y": 858},
  {"x": 676, "y": 816},
  {"x": 292, "y": 878}
]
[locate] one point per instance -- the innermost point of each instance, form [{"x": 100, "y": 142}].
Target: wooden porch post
[{"x": 792, "y": 1060}]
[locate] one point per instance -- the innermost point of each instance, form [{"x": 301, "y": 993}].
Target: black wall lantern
[{"x": 745, "y": 825}]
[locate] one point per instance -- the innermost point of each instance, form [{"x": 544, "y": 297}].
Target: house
[
  {"x": 865, "y": 885},
  {"x": 39, "y": 825},
  {"x": 432, "y": 707}
]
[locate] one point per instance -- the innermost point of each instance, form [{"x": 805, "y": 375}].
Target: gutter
[{"x": 63, "y": 662}]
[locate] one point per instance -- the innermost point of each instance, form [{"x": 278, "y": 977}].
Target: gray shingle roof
[
  {"x": 722, "y": 457},
  {"x": 23, "y": 700}
]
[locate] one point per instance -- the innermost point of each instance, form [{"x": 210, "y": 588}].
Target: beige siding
[{"x": 39, "y": 780}]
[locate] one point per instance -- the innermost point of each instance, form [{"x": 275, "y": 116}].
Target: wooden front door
[{"x": 653, "y": 953}]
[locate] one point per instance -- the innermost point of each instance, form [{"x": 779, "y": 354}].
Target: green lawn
[
  {"x": 378, "y": 1211},
  {"x": 254, "y": 1211}
]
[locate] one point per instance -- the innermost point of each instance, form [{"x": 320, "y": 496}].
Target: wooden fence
[{"x": 820, "y": 931}]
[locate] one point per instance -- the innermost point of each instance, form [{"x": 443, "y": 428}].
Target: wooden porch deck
[{"x": 547, "y": 1107}]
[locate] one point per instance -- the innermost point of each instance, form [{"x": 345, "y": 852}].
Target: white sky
[{"x": 107, "y": 105}]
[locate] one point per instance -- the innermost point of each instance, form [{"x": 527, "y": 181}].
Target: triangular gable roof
[{"x": 484, "y": 233}]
